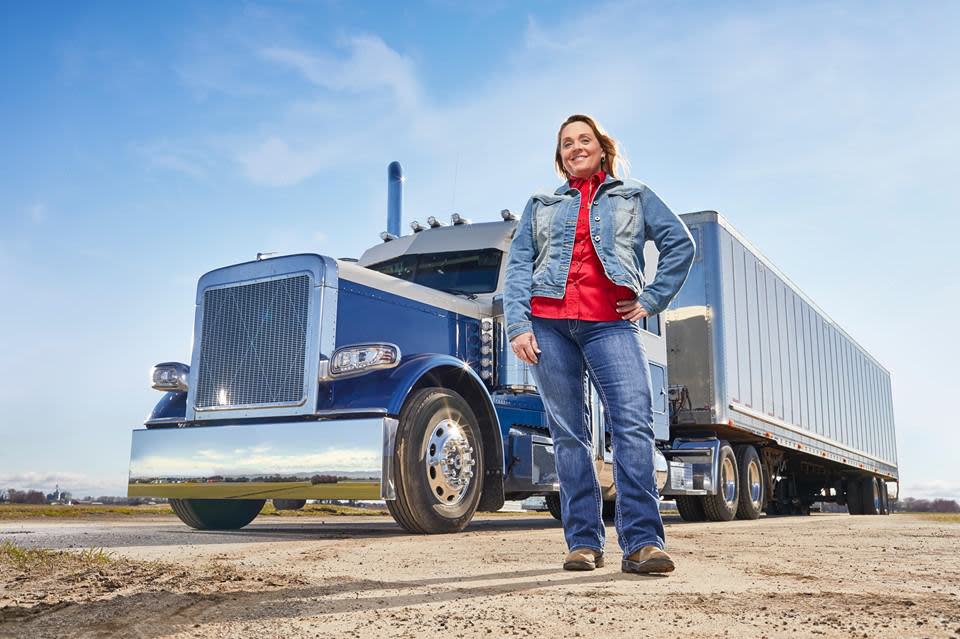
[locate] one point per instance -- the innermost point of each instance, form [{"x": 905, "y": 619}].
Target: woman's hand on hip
[
  {"x": 631, "y": 310},
  {"x": 525, "y": 347}
]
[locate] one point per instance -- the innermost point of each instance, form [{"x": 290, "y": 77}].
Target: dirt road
[{"x": 823, "y": 576}]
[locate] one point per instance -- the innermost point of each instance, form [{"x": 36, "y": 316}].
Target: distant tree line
[
  {"x": 911, "y": 505},
  {"x": 15, "y": 496}
]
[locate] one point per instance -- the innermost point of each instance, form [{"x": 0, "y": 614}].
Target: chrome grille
[{"x": 253, "y": 344}]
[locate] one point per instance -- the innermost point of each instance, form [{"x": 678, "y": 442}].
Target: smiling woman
[{"x": 574, "y": 287}]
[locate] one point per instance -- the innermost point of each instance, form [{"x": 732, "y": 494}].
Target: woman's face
[{"x": 580, "y": 150}]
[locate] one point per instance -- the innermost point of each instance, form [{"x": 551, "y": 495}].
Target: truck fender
[
  {"x": 171, "y": 409},
  {"x": 393, "y": 386}
]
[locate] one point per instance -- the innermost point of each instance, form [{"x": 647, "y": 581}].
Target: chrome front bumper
[{"x": 335, "y": 459}]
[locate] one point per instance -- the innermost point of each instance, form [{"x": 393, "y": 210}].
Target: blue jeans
[{"x": 612, "y": 354}]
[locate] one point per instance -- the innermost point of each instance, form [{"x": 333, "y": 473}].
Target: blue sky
[{"x": 144, "y": 144}]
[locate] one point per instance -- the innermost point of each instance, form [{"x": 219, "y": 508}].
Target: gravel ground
[{"x": 822, "y": 575}]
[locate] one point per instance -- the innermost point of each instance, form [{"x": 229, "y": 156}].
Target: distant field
[
  {"x": 953, "y": 518},
  {"x": 31, "y": 511}
]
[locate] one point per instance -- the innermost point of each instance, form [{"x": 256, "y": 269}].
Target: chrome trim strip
[
  {"x": 160, "y": 421},
  {"x": 320, "y": 459},
  {"x": 388, "y": 489},
  {"x": 389, "y": 284},
  {"x": 806, "y": 433}
]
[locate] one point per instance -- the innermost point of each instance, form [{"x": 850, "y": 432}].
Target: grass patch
[
  {"x": 321, "y": 509},
  {"x": 42, "y": 511},
  {"x": 948, "y": 518},
  {"x": 27, "y": 559}
]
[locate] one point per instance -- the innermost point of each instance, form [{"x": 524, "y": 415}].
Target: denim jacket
[{"x": 624, "y": 214}]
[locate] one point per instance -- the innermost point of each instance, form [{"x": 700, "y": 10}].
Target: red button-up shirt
[{"x": 589, "y": 294}]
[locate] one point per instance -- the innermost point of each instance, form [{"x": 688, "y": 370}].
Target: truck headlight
[
  {"x": 170, "y": 376},
  {"x": 364, "y": 357}
]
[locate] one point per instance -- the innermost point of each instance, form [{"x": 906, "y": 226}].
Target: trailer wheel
[
  {"x": 854, "y": 496},
  {"x": 217, "y": 514},
  {"x": 609, "y": 510},
  {"x": 289, "y": 504},
  {"x": 553, "y": 505},
  {"x": 438, "y": 463},
  {"x": 723, "y": 505},
  {"x": 884, "y": 498},
  {"x": 751, "y": 483},
  {"x": 870, "y": 494},
  {"x": 690, "y": 508}
]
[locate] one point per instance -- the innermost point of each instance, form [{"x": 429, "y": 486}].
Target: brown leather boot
[
  {"x": 648, "y": 559},
  {"x": 583, "y": 559}
]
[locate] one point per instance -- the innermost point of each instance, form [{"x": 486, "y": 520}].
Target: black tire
[
  {"x": 609, "y": 511},
  {"x": 289, "y": 504},
  {"x": 429, "y": 500},
  {"x": 870, "y": 494},
  {"x": 723, "y": 505},
  {"x": 854, "y": 496},
  {"x": 751, "y": 485},
  {"x": 690, "y": 508},
  {"x": 217, "y": 514},
  {"x": 553, "y": 505},
  {"x": 773, "y": 508},
  {"x": 884, "y": 498}
]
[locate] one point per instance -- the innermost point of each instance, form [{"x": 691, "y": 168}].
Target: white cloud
[
  {"x": 274, "y": 163},
  {"x": 37, "y": 213},
  {"x": 180, "y": 158},
  {"x": 931, "y": 489},
  {"x": 370, "y": 66}
]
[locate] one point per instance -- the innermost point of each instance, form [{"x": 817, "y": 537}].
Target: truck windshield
[{"x": 453, "y": 272}]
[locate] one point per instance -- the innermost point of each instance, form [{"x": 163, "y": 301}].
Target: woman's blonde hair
[{"x": 613, "y": 164}]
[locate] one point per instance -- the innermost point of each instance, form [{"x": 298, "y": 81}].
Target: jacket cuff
[
  {"x": 648, "y": 305},
  {"x": 518, "y": 329}
]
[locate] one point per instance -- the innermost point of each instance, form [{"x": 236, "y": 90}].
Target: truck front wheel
[
  {"x": 217, "y": 514},
  {"x": 438, "y": 469}
]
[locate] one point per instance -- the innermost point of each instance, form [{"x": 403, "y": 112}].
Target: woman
[{"x": 572, "y": 298}]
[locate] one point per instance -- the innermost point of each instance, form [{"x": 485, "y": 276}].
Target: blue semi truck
[{"x": 390, "y": 377}]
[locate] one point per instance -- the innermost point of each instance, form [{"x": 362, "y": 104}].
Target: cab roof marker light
[
  {"x": 417, "y": 226},
  {"x": 508, "y": 215},
  {"x": 434, "y": 222},
  {"x": 386, "y": 237},
  {"x": 456, "y": 219}
]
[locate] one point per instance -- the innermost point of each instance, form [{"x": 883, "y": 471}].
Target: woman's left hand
[{"x": 631, "y": 310}]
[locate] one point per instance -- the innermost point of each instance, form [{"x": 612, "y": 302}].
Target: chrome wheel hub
[
  {"x": 756, "y": 491},
  {"x": 449, "y": 462},
  {"x": 728, "y": 482}
]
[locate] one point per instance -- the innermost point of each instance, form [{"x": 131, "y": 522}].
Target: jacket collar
[{"x": 566, "y": 188}]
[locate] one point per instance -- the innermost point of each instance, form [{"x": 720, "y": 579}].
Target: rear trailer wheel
[
  {"x": 609, "y": 510},
  {"x": 438, "y": 463},
  {"x": 854, "y": 496},
  {"x": 690, "y": 508},
  {"x": 751, "y": 499},
  {"x": 217, "y": 514},
  {"x": 884, "y": 498},
  {"x": 553, "y": 505},
  {"x": 723, "y": 505},
  {"x": 870, "y": 495},
  {"x": 289, "y": 504}
]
